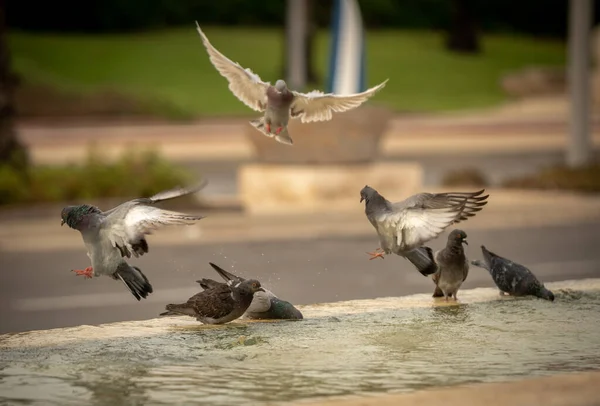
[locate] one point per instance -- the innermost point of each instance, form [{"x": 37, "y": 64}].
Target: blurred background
[{"x": 117, "y": 99}]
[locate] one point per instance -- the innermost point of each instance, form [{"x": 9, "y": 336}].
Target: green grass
[
  {"x": 134, "y": 174},
  {"x": 172, "y": 68}
]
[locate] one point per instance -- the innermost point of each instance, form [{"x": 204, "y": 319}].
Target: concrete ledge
[
  {"x": 290, "y": 188},
  {"x": 578, "y": 389}
]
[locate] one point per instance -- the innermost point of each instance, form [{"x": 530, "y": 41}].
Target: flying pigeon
[
  {"x": 112, "y": 235},
  {"x": 512, "y": 278},
  {"x": 219, "y": 303},
  {"x": 404, "y": 227},
  {"x": 453, "y": 266},
  {"x": 278, "y": 103},
  {"x": 265, "y": 305}
]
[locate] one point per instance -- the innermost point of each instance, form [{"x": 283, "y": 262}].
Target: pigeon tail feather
[
  {"x": 134, "y": 279},
  {"x": 175, "y": 309},
  {"x": 422, "y": 259},
  {"x": 283, "y": 137},
  {"x": 437, "y": 292}
]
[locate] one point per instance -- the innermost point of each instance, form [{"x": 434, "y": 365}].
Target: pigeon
[
  {"x": 453, "y": 266},
  {"x": 404, "y": 227},
  {"x": 265, "y": 305},
  {"x": 112, "y": 235},
  {"x": 512, "y": 278},
  {"x": 219, "y": 303},
  {"x": 278, "y": 103}
]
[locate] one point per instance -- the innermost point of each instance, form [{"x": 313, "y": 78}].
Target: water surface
[{"x": 360, "y": 347}]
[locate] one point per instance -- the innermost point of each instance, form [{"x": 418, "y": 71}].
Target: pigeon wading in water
[
  {"x": 453, "y": 266},
  {"x": 278, "y": 103},
  {"x": 265, "y": 305},
  {"x": 512, "y": 278},
  {"x": 112, "y": 235},
  {"x": 219, "y": 303},
  {"x": 404, "y": 227}
]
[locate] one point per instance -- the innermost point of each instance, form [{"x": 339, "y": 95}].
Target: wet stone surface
[{"x": 347, "y": 348}]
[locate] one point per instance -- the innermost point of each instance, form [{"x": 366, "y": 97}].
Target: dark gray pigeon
[
  {"x": 112, "y": 235},
  {"x": 278, "y": 103},
  {"x": 265, "y": 305},
  {"x": 453, "y": 266},
  {"x": 404, "y": 227},
  {"x": 219, "y": 303},
  {"x": 512, "y": 278}
]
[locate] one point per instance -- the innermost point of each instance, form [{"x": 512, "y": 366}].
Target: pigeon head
[
  {"x": 280, "y": 85},
  {"x": 285, "y": 310},
  {"x": 73, "y": 216},
  {"x": 544, "y": 293},
  {"x": 367, "y": 193},
  {"x": 457, "y": 237},
  {"x": 250, "y": 286}
]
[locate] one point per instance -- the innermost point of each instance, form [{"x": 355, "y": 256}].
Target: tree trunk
[
  {"x": 12, "y": 151},
  {"x": 311, "y": 31},
  {"x": 462, "y": 35}
]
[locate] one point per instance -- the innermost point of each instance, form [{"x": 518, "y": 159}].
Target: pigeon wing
[
  {"x": 319, "y": 106},
  {"x": 243, "y": 83},
  {"x": 126, "y": 225},
  {"x": 215, "y": 303}
]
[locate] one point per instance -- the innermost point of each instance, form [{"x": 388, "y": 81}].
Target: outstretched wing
[
  {"x": 126, "y": 225},
  {"x": 243, "y": 83},
  {"x": 319, "y": 106}
]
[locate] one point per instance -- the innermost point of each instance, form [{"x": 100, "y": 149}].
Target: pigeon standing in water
[
  {"x": 404, "y": 227},
  {"x": 453, "y": 266},
  {"x": 219, "y": 303},
  {"x": 265, "y": 305},
  {"x": 112, "y": 235},
  {"x": 512, "y": 278},
  {"x": 278, "y": 103}
]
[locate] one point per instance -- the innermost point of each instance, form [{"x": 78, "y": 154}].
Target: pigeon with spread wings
[
  {"x": 403, "y": 227},
  {"x": 278, "y": 103},
  {"x": 112, "y": 235}
]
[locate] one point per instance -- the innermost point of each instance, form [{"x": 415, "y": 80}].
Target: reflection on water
[{"x": 393, "y": 347}]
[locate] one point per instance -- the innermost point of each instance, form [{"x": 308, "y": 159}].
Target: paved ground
[{"x": 38, "y": 291}]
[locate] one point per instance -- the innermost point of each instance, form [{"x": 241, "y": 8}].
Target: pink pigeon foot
[
  {"x": 378, "y": 253},
  {"x": 87, "y": 272},
  {"x": 278, "y": 130},
  {"x": 268, "y": 128}
]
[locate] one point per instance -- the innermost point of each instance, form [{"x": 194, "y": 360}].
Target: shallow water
[{"x": 347, "y": 348}]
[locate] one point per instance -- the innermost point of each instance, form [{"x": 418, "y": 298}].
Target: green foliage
[
  {"x": 172, "y": 66},
  {"x": 465, "y": 177},
  {"x": 134, "y": 174},
  {"x": 584, "y": 179}
]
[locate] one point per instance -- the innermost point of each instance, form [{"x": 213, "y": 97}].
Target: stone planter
[{"x": 350, "y": 137}]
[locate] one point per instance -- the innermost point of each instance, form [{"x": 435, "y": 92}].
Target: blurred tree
[
  {"x": 309, "y": 45},
  {"x": 12, "y": 151},
  {"x": 462, "y": 34}
]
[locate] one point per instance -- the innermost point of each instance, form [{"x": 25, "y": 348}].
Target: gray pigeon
[
  {"x": 453, "y": 266},
  {"x": 219, "y": 303},
  {"x": 512, "y": 278},
  {"x": 278, "y": 103},
  {"x": 265, "y": 305},
  {"x": 112, "y": 235},
  {"x": 404, "y": 227}
]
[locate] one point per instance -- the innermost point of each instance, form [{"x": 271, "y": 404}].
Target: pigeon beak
[
  {"x": 361, "y": 199},
  {"x": 260, "y": 290},
  {"x": 465, "y": 242},
  {"x": 62, "y": 223}
]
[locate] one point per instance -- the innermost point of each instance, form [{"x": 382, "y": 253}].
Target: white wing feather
[
  {"x": 319, "y": 106},
  {"x": 243, "y": 83}
]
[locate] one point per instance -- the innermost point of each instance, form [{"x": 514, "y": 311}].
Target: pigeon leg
[
  {"x": 268, "y": 127},
  {"x": 278, "y": 130},
  {"x": 378, "y": 253},
  {"x": 87, "y": 272}
]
